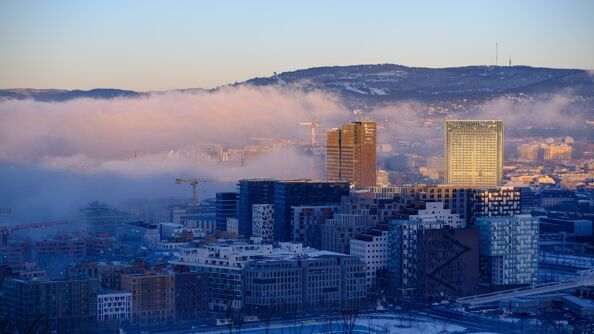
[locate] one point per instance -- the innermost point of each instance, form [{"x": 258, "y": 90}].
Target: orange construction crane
[
  {"x": 313, "y": 126},
  {"x": 194, "y": 184},
  {"x": 8, "y": 230}
]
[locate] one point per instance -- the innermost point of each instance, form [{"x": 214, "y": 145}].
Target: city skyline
[
  {"x": 311, "y": 198},
  {"x": 173, "y": 45}
]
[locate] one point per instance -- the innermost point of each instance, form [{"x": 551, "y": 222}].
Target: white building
[
  {"x": 509, "y": 249},
  {"x": 263, "y": 222},
  {"x": 435, "y": 210},
  {"x": 373, "y": 249},
  {"x": 114, "y": 306},
  {"x": 224, "y": 262},
  {"x": 232, "y": 225},
  {"x": 208, "y": 225}
]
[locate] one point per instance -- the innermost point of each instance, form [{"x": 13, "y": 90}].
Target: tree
[{"x": 349, "y": 319}]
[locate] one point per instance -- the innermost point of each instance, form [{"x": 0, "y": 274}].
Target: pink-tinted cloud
[{"x": 109, "y": 130}]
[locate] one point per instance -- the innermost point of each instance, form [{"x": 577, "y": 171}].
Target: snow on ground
[
  {"x": 405, "y": 326},
  {"x": 378, "y": 323},
  {"x": 353, "y": 89},
  {"x": 378, "y": 91}
]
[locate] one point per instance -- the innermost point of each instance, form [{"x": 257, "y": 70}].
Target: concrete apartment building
[
  {"x": 153, "y": 297},
  {"x": 223, "y": 263}
]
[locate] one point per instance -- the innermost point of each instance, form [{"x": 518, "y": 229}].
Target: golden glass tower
[
  {"x": 351, "y": 153},
  {"x": 474, "y": 153}
]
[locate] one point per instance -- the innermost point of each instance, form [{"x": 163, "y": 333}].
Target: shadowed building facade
[
  {"x": 351, "y": 153},
  {"x": 474, "y": 153}
]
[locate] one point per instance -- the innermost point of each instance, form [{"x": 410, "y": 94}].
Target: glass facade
[
  {"x": 351, "y": 154},
  {"x": 474, "y": 153}
]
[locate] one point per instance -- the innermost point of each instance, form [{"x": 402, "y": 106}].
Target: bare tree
[
  {"x": 326, "y": 325},
  {"x": 267, "y": 320},
  {"x": 349, "y": 319},
  {"x": 298, "y": 328},
  {"x": 370, "y": 326},
  {"x": 234, "y": 317}
]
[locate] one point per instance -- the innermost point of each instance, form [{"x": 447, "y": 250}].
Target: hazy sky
[{"x": 159, "y": 45}]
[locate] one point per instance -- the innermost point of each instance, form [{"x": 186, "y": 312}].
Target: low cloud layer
[
  {"x": 56, "y": 157},
  {"x": 558, "y": 114},
  {"x": 31, "y": 132}
]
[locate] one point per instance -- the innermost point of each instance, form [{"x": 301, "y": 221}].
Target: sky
[{"x": 162, "y": 45}]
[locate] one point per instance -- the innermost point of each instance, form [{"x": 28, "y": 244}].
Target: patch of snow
[
  {"x": 378, "y": 91},
  {"x": 353, "y": 89}
]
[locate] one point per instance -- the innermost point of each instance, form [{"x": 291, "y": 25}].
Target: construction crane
[
  {"x": 8, "y": 230},
  {"x": 313, "y": 126},
  {"x": 194, "y": 184}
]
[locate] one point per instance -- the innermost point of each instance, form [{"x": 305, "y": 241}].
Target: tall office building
[
  {"x": 50, "y": 306},
  {"x": 252, "y": 191},
  {"x": 351, "y": 154},
  {"x": 508, "y": 249},
  {"x": 474, "y": 153},
  {"x": 226, "y": 207},
  {"x": 502, "y": 201},
  {"x": 291, "y": 193},
  {"x": 263, "y": 221}
]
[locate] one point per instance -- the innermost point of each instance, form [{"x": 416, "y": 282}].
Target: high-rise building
[
  {"x": 290, "y": 193},
  {"x": 226, "y": 207},
  {"x": 404, "y": 231},
  {"x": 338, "y": 231},
  {"x": 372, "y": 247},
  {"x": 508, "y": 249},
  {"x": 263, "y": 221},
  {"x": 351, "y": 153},
  {"x": 307, "y": 222},
  {"x": 448, "y": 263},
  {"x": 474, "y": 153},
  {"x": 453, "y": 197},
  {"x": 502, "y": 201},
  {"x": 252, "y": 191},
  {"x": 51, "y": 306}
]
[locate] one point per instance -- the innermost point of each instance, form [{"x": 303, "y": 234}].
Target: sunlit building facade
[
  {"x": 474, "y": 153},
  {"x": 351, "y": 153},
  {"x": 557, "y": 152},
  {"x": 528, "y": 152}
]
